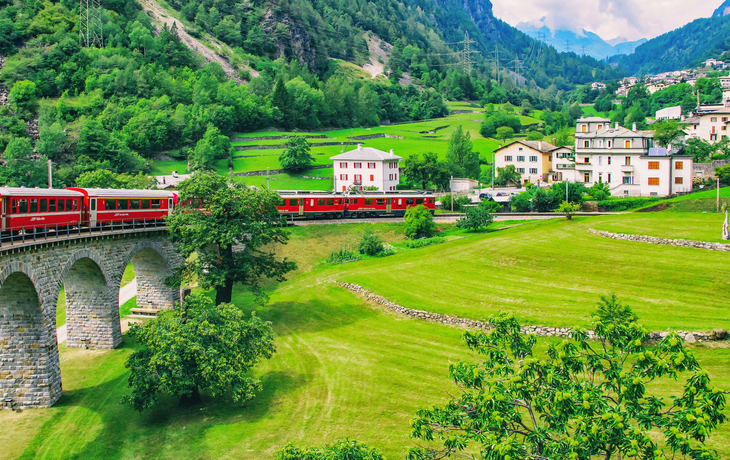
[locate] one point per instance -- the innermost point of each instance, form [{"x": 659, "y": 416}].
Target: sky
[{"x": 632, "y": 19}]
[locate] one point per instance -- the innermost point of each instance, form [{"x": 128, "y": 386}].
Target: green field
[
  {"x": 687, "y": 225},
  {"x": 344, "y": 368}
]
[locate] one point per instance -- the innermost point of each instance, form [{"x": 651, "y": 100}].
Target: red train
[
  {"x": 45, "y": 211},
  {"x": 354, "y": 205}
]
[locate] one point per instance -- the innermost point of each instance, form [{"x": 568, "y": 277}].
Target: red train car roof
[
  {"x": 45, "y": 192},
  {"x": 123, "y": 193}
]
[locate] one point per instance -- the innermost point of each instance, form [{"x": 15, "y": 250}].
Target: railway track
[{"x": 444, "y": 218}]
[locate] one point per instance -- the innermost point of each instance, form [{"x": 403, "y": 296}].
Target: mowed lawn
[
  {"x": 686, "y": 225},
  {"x": 552, "y": 273}
]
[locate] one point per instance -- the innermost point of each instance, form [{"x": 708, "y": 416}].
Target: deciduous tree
[
  {"x": 419, "y": 222},
  {"x": 476, "y": 217},
  {"x": 227, "y": 214},
  {"x": 459, "y": 155},
  {"x": 582, "y": 399},
  {"x": 296, "y": 157}
]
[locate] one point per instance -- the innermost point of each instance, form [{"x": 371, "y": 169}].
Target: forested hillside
[
  {"x": 681, "y": 48},
  {"x": 146, "y": 95}
]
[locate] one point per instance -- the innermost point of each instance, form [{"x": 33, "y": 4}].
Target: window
[
  {"x": 628, "y": 144},
  {"x": 724, "y": 119},
  {"x": 43, "y": 206},
  {"x": 608, "y": 144},
  {"x": 586, "y": 144},
  {"x": 23, "y": 206},
  {"x": 409, "y": 201},
  {"x": 372, "y": 178},
  {"x": 294, "y": 202},
  {"x": 533, "y": 170},
  {"x": 653, "y": 165},
  {"x": 584, "y": 128},
  {"x": 368, "y": 201},
  {"x": 678, "y": 180},
  {"x": 600, "y": 160},
  {"x": 155, "y": 203},
  {"x": 508, "y": 158},
  {"x": 371, "y": 165},
  {"x": 627, "y": 161},
  {"x": 330, "y": 201},
  {"x": 34, "y": 205},
  {"x": 52, "y": 205},
  {"x": 723, "y": 128},
  {"x": 62, "y": 205},
  {"x": 600, "y": 143},
  {"x": 122, "y": 204},
  {"x": 609, "y": 160},
  {"x": 586, "y": 177},
  {"x": 600, "y": 126},
  {"x": 678, "y": 165},
  {"x": 358, "y": 178},
  {"x": 713, "y": 119},
  {"x": 342, "y": 177},
  {"x": 628, "y": 180},
  {"x": 533, "y": 159},
  {"x": 343, "y": 165},
  {"x": 713, "y": 137},
  {"x": 609, "y": 177},
  {"x": 653, "y": 181},
  {"x": 380, "y": 201},
  {"x": 320, "y": 202},
  {"x": 520, "y": 158},
  {"x": 521, "y": 170},
  {"x": 419, "y": 201},
  {"x": 358, "y": 165},
  {"x": 586, "y": 160},
  {"x": 134, "y": 204},
  {"x": 145, "y": 204}
]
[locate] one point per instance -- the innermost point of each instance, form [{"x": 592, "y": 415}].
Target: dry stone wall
[
  {"x": 91, "y": 270},
  {"x": 668, "y": 241},
  {"x": 544, "y": 331}
]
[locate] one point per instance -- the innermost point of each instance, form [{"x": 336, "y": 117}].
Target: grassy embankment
[{"x": 344, "y": 368}]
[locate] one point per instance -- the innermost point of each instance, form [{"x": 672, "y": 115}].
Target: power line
[
  {"x": 90, "y": 33},
  {"x": 567, "y": 45}
]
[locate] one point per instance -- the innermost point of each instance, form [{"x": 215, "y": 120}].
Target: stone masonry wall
[
  {"x": 668, "y": 241},
  {"x": 91, "y": 268},
  {"x": 544, "y": 331}
]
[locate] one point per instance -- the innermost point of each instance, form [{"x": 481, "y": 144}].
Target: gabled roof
[
  {"x": 691, "y": 121},
  {"x": 540, "y": 146},
  {"x": 619, "y": 132},
  {"x": 366, "y": 154},
  {"x": 594, "y": 120},
  {"x": 716, "y": 112}
]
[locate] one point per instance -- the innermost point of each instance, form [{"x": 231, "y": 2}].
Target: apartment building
[
  {"x": 713, "y": 125},
  {"x": 628, "y": 161},
  {"x": 532, "y": 159},
  {"x": 366, "y": 167}
]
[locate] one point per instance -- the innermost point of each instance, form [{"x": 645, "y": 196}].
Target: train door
[
  {"x": 2, "y": 214},
  {"x": 169, "y": 206},
  {"x": 92, "y": 212},
  {"x": 301, "y": 206},
  {"x": 388, "y": 204}
]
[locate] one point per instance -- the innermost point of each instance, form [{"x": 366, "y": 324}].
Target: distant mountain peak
[
  {"x": 579, "y": 41},
  {"x": 723, "y": 10}
]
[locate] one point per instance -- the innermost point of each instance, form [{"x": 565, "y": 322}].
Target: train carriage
[
  {"x": 312, "y": 204},
  {"x": 35, "y": 210},
  {"x": 388, "y": 203},
  {"x": 111, "y": 206}
]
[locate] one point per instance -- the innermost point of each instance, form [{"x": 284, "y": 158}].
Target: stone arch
[
  {"x": 30, "y": 375},
  {"x": 151, "y": 268},
  {"x": 92, "y": 307}
]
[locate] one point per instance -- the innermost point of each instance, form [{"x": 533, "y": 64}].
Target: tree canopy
[
  {"x": 296, "y": 157},
  {"x": 462, "y": 161}
]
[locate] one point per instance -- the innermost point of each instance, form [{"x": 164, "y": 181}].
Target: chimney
[
  {"x": 555, "y": 142},
  {"x": 391, "y": 152},
  {"x": 359, "y": 146},
  {"x": 633, "y": 127},
  {"x": 539, "y": 146},
  {"x": 615, "y": 125}
]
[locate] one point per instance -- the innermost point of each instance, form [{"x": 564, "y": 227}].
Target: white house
[
  {"x": 670, "y": 113},
  {"x": 628, "y": 161},
  {"x": 725, "y": 82},
  {"x": 366, "y": 167},
  {"x": 713, "y": 125},
  {"x": 532, "y": 159},
  {"x": 598, "y": 85},
  {"x": 692, "y": 129}
]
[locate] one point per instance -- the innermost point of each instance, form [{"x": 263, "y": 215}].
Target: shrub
[
  {"x": 342, "y": 255},
  {"x": 423, "y": 242},
  {"x": 624, "y": 204},
  {"x": 342, "y": 449},
  {"x": 475, "y": 218},
  {"x": 459, "y": 202},
  {"x": 568, "y": 209},
  {"x": 370, "y": 243},
  {"x": 419, "y": 222}
]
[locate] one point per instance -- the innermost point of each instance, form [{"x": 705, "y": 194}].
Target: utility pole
[
  {"x": 584, "y": 50},
  {"x": 567, "y": 45},
  {"x": 566, "y": 190},
  {"x": 718, "y": 194},
  {"x": 50, "y": 175},
  {"x": 90, "y": 33},
  {"x": 451, "y": 190}
]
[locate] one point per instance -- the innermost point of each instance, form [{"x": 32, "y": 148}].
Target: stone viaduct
[{"x": 90, "y": 268}]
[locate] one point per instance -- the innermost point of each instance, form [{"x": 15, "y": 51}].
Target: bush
[
  {"x": 624, "y": 204},
  {"x": 342, "y": 449},
  {"x": 424, "y": 242},
  {"x": 343, "y": 255},
  {"x": 568, "y": 209},
  {"x": 475, "y": 218},
  {"x": 370, "y": 243},
  {"x": 419, "y": 222},
  {"x": 459, "y": 202}
]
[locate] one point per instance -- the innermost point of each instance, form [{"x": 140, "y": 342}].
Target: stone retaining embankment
[
  {"x": 274, "y": 138},
  {"x": 374, "y": 136},
  {"x": 240, "y": 148},
  {"x": 543, "y": 331},
  {"x": 271, "y": 172},
  {"x": 668, "y": 241}
]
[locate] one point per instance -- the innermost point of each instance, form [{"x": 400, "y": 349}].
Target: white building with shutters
[
  {"x": 629, "y": 163},
  {"x": 366, "y": 167}
]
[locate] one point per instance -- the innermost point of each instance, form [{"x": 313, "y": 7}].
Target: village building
[
  {"x": 532, "y": 159},
  {"x": 669, "y": 113},
  {"x": 629, "y": 163},
  {"x": 366, "y": 167},
  {"x": 692, "y": 128},
  {"x": 713, "y": 125}
]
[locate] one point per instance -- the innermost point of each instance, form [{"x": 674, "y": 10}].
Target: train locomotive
[{"x": 26, "y": 211}]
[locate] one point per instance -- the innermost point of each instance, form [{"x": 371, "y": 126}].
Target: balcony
[
  {"x": 357, "y": 182},
  {"x": 568, "y": 166},
  {"x": 627, "y": 168},
  {"x": 583, "y": 166}
]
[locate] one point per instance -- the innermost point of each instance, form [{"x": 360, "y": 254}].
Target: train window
[
  {"x": 122, "y": 204},
  {"x": 34, "y": 205},
  {"x": 43, "y": 205},
  {"x": 353, "y": 201},
  {"x": 75, "y": 204},
  {"x": 110, "y": 205},
  {"x": 409, "y": 201},
  {"x": 320, "y": 202},
  {"x": 400, "y": 201},
  {"x": 23, "y": 206},
  {"x": 155, "y": 204},
  {"x": 134, "y": 204},
  {"x": 169, "y": 203},
  {"x": 419, "y": 200},
  {"x": 380, "y": 201},
  {"x": 69, "y": 206},
  {"x": 145, "y": 204},
  {"x": 294, "y": 202},
  {"x": 330, "y": 201},
  {"x": 282, "y": 202},
  {"x": 52, "y": 205},
  {"x": 368, "y": 201},
  {"x": 61, "y": 205},
  {"x": 93, "y": 204}
]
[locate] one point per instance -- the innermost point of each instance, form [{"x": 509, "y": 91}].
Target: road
[{"x": 125, "y": 293}]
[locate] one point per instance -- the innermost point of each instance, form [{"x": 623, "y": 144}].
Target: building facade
[
  {"x": 713, "y": 125},
  {"x": 366, "y": 167},
  {"x": 532, "y": 159},
  {"x": 629, "y": 163}
]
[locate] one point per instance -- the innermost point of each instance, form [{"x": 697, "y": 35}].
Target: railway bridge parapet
[{"x": 88, "y": 272}]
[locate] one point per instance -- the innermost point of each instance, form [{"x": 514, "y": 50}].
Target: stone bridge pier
[{"x": 90, "y": 268}]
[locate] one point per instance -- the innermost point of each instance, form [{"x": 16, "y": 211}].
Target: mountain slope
[
  {"x": 722, "y": 10},
  {"x": 586, "y": 42},
  {"x": 680, "y": 48}
]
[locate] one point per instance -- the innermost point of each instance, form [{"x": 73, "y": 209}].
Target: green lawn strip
[
  {"x": 165, "y": 168},
  {"x": 690, "y": 226},
  {"x": 61, "y": 308},
  {"x": 128, "y": 275},
  {"x": 552, "y": 273},
  {"x": 126, "y": 309},
  {"x": 291, "y": 181},
  {"x": 342, "y": 369}
]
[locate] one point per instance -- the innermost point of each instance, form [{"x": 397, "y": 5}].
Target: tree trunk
[
  {"x": 224, "y": 294},
  {"x": 191, "y": 399}
]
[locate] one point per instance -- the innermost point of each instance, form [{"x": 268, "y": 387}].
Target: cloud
[{"x": 607, "y": 18}]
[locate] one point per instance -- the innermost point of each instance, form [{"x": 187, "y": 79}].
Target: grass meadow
[{"x": 345, "y": 368}]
